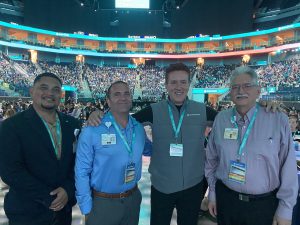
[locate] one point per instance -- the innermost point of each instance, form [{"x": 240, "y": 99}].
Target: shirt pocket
[{"x": 266, "y": 148}]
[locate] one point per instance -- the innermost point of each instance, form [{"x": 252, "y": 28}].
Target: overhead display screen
[{"x": 132, "y": 4}]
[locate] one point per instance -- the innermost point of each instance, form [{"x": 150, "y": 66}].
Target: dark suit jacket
[{"x": 28, "y": 164}]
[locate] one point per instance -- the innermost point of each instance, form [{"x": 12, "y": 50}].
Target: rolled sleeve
[{"x": 83, "y": 169}]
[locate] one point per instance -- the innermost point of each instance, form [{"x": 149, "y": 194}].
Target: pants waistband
[
  {"x": 115, "y": 196},
  {"x": 247, "y": 197}
]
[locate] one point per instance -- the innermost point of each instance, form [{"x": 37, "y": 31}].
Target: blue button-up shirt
[{"x": 102, "y": 167}]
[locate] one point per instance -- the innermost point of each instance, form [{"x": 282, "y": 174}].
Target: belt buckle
[
  {"x": 243, "y": 198},
  {"x": 122, "y": 195}
]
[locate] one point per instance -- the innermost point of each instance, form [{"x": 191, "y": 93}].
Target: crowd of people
[
  {"x": 99, "y": 78},
  {"x": 146, "y": 81},
  {"x": 19, "y": 75},
  {"x": 213, "y": 76},
  {"x": 280, "y": 74}
]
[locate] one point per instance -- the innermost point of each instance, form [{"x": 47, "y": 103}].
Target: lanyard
[
  {"x": 176, "y": 130},
  {"x": 116, "y": 126},
  {"x": 246, "y": 136},
  {"x": 58, "y": 134}
]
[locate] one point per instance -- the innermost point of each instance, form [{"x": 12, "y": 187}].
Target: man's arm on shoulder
[
  {"x": 288, "y": 189},
  {"x": 145, "y": 115},
  {"x": 148, "y": 146},
  {"x": 13, "y": 169}
]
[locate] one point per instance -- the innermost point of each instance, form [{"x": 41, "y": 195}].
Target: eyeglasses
[{"x": 246, "y": 86}]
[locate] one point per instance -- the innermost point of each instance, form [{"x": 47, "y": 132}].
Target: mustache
[{"x": 241, "y": 96}]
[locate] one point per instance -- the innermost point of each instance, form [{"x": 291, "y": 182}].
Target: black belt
[{"x": 248, "y": 197}]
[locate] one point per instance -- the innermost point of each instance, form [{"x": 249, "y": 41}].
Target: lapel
[
  {"x": 64, "y": 124},
  {"x": 37, "y": 125}
]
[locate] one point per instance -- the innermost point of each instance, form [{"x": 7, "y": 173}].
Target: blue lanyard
[
  {"x": 246, "y": 136},
  {"x": 58, "y": 134},
  {"x": 116, "y": 126},
  {"x": 176, "y": 129}
]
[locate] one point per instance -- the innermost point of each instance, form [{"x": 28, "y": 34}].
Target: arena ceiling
[{"x": 193, "y": 16}]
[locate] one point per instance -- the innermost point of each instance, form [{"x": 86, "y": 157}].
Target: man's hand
[
  {"x": 279, "y": 221},
  {"x": 271, "y": 106},
  {"x": 61, "y": 199},
  {"x": 212, "y": 207},
  {"x": 95, "y": 118}
]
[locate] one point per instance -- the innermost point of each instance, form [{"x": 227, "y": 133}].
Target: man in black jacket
[{"x": 37, "y": 159}]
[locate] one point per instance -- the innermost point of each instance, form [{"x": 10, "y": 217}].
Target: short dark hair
[
  {"x": 176, "y": 67},
  {"x": 112, "y": 84},
  {"x": 47, "y": 74}
]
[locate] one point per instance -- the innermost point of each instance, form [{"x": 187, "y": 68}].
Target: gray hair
[{"x": 244, "y": 70}]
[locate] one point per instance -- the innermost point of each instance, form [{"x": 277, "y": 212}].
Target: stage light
[
  {"x": 149, "y": 12},
  {"x": 81, "y": 3},
  {"x": 177, "y": 7}
]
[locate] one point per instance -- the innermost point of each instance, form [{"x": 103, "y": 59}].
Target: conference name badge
[
  {"x": 176, "y": 150},
  {"x": 231, "y": 133},
  {"x": 130, "y": 173},
  {"x": 237, "y": 172},
  {"x": 108, "y": 139}
]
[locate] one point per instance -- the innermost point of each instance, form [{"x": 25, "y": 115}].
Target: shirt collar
[
  {"x": 131, "y": 121},
  {"x": 248, "y": 116},
  {"x": 174, "y": 106}
]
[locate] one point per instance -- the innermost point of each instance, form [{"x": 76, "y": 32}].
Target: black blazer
[{"x": 28, "y": 164}]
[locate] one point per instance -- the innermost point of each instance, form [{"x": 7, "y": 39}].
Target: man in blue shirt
[{"x": 109, "y": 163}]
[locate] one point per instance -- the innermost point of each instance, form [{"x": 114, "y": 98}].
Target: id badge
[
  {"x": 231, "y": 133},
  {"x": 176, "y": 150},
  {"x": 129, "y": 173},
  {"x": 108, "y": 139},
  {"x": 237, "y": 172}
]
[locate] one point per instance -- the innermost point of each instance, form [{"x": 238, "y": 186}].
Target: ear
[{"x": 108, "y": 102}]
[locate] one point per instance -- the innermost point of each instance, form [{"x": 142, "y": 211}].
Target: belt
[
  {"x": 118, "y": 195},
  {"x": 248, "y": 197}
]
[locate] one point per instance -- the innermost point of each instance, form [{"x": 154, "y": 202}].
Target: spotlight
[
  {"x": 177, "y": 7},
  {"x": 149, "y": 12},
  {"x": 81, "y": 3}
]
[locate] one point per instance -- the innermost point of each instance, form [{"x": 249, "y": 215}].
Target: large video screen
[{"x": 132, "y": 4}]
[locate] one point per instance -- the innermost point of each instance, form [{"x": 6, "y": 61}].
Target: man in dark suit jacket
[{"x": 37, "y": 159}]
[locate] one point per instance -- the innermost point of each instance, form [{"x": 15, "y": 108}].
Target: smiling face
[
  {"x": 119, "y": 98},
  {"x": 46, "y": 94},
  {"x": 177, "y": 86},
  {"x": 244, "y": 91}
]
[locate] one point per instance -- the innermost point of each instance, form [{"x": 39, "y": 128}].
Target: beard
[{"x": 47, "y": 107}]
